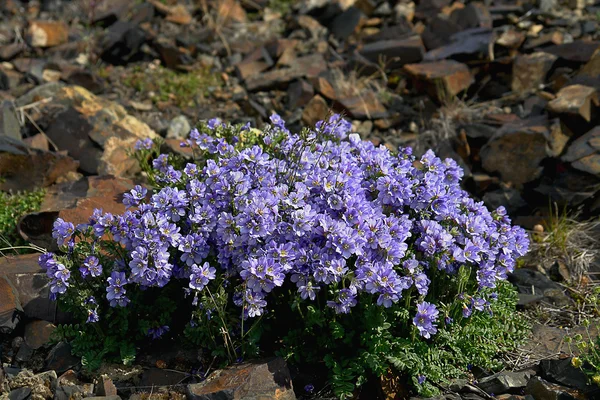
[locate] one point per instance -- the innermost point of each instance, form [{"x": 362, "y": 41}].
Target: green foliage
[
  {"x": 185, "y": 89},
  {"x": 281, "y": 6},
  {"x": 372, "y": 339},
  {"x": 12, "y": 208},
  {"x": 589, "y": 345}
]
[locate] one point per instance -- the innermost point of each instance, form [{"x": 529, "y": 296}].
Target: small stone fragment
[
  {"x": 299, "y": 93},
  {"x": 364, "y": 106},
  {"x": 9, "y": 305},
  {"x": 530, "y": 71},
  {"x": 443, "y": 78},
  {"x": 505, "y": 381},
  {"x": 258, "y": 380},
  {"x": 179, "y": 128},
  {"x": 576, "y": 100},
  {"x": 397, "y": 52},
  {"x": 106, "y": 387},
  {"x": 544, "y": 390},
  {"x": 47, "y": 33},
  {"x": 37, "y": 333},
  {"x": 316, "y": 110},
  {"x": 584, "y": 152}
]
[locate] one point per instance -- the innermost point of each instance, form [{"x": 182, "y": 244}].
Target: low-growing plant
[
  {"x": 163, "y": 84},
  {"x": 12, "y": 207},
  {"x": 318, "y": 246},
  {"x": 588, "y": 359}
]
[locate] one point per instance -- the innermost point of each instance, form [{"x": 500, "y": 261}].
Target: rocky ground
[{"x": 509, "y": 89}]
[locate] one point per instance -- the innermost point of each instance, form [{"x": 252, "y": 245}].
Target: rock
[
  {"x": 103, "y": 398},
  {"x": 9, "y": 305},
  {"x": 122, "y": 42},
  {"x": 578, "y": 51},
  {"x": 30, "y": 285},
  {"x": 88, "y": 80},
  {"x": 245, "y": 70},
  {"x": 177, "y": 14},
  {"x": 584, "y": 153},
  {"x": 24, "y": 354},
  {"x": 299, "y": 94},
  {"x": 516, "y": 150},
  {"x": 397, "y": 52},
  {"x": 364, "y": 106},
  {"x": 345, "y": 23},
  {"x": 47, "y": 33},
  {"x": 316, "y": 110},
  {"x": 71, "y": 392},
  {"x": 37, "y": 333},
  {"x": 541, "y": 389},
  {"x": 530, "y": 71},
  {"x": 505, "y": 381},
  {"x": 260, "y": 379},
  {"x": 22, "y": 393},
  {"x": 564, "y": 373},
  {"x": 86, "y": 121},
  {"x": 69, "y": 378},
  {"x": 41, "y": 385},
  {"x": 592, "y": 68},
  {"x": 10, "y": 51},
  {"x": 438, "y": 32},
  {"x": 39, "y": 142},
  {"x": 324, "y": 88},
  {"x": 442, "y": 78},
  {"x": 41, "y": 92},
  {"x": 231, "y": 10},
  {"x": 60, "y": 358},
  {"x": 161, "y": 377},
  {"x": 468, "y": 42},
  {"x": 509, "y": 198},
  {"x": 473, "y": 15},
  {"x": 106, "y": 387},
  {"x": 576, "y": 100},
  {"x": 32, "y": 169},
  {"x": 305, "y": 67},
  {"x": 178, "y": 128},
  {"x": 534, "y": 282},
  {"x": 511, "y": 38},
  {"x": 9, "y": 124}
]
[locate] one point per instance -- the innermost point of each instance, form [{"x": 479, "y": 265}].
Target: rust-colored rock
[
  {"x": 324, "y": 87},
  {"x": 231, "y": 10},
  {"x": 47, "y": 33},
  {"x": 9, "y": 304},
  {"x": 105, "y": 387},
  {"x": 584, "y": 153},
  {"x": 441, "y": 78},
  {"x": 33, "y": 169},
  {"x": 516, "y": 150},
  {"x": 268, "y": 379},
  {"x": 316, "y": 110},
  {"x": 364, "y": 106},
  {"x": 578, "y": 51},
  {"x": 177, "y": 14},
  {"x": 299, "y": 94},
  {"x": 529, "y": 71},
  {"x": 85, "y": 123},
  {"x": 576, "y": 100},
  {"x": 37, "y": 333}
]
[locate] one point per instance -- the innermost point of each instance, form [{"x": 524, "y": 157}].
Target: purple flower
[
  {"x": 157, "y": 332},
  {"x": 93, "y": 316},
  {"x": 425, "y": 319},
  {"x": 62, "y": 231},
  {"x": 91, "y": 266},
  {"x": 143, "y": 144},
  {"x": 421, "y": 379},
  {"x": 200, "y": 276},
  {"x": 115, "y": 292},
  {"x": 309, "y": 388}
]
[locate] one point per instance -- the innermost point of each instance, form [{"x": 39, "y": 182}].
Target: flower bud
[{"x": 576, "y": 362}]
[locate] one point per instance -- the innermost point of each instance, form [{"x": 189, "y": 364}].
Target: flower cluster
[{"x": 323, "y": 212}]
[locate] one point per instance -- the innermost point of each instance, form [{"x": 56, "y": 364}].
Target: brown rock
[
  {"x": 442, "y": 78},
  {"x": 511, "y": 38},
  {"x": 584, "y": 153},
  {"x": 592, "y": 68},
  {"x": 529, "y": 71},
  {"x": 9, "y": 304},
  {"x": 316, "y": 110},
  {"x": 365, "y": 106},
  {"x": 299, "y": 94},
  {"x": 38, "y": 141},
  {"x": 231, "y": 10},
  {"x": 395, "y": 53},
  {"x": 304, "y": 67},
  {"x": 268, "y": 379},
  {"x": 10, "y": 51},
  {"x": 516, "y": 150},
  {"x": 541, "y": 389},
  {"x": 245, "y": 70},
  {"x": 438, "y": 32},
  {"x": 576, "y": 100},
  {"x": 37, "y": 333},
  {"x": 177, "y": 14},
  {"x": 47, "y": 33},
  {"x": 84, "y": 124},
  {"x": 69, "y": 378},
  {"x": 105, "y": 387},
  {"x": 324, "y": 87},
  {"x": 578, "y": 51}
]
